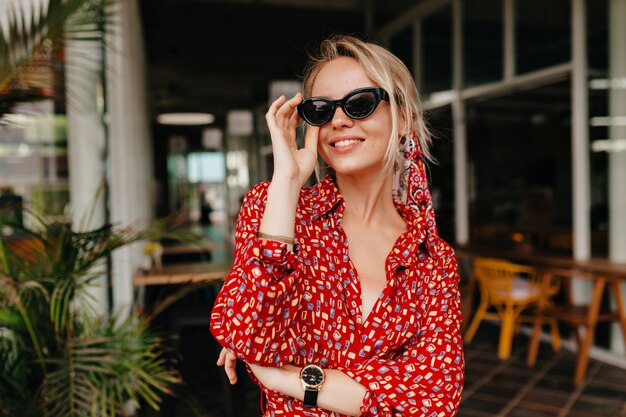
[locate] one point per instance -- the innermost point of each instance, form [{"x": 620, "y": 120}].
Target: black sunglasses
[{"x": 357, "y": 104}]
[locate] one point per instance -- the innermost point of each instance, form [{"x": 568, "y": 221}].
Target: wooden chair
[
  {"x": 580, "y": 317},
  {"x": 506, "y": 290}
]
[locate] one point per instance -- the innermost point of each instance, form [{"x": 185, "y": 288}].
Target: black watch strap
[{"x": 310, "y": 398}]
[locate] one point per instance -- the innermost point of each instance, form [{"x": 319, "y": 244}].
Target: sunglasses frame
[{"x": 379, "y": 94}]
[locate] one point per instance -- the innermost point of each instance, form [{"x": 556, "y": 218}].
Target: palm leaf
[
  {"x": 72, "y": 364},
  {"x": 105, "y": 367},
  {"x": 23, "y": 299},
  {"x": 24, "y": 39},
  {"x": 26, "y": 45},
  {"x": 18, "y": 382},
  {"x": 10, "y": 319}
]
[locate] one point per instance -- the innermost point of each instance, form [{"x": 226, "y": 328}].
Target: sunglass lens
[
  {"x": 361, "y": 105},
  {"x": 317, "y": 112}
]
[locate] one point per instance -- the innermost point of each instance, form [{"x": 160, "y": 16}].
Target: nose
[{"x": 340, "y": 119}]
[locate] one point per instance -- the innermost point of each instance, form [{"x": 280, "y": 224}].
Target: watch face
[{"x": 312, "y": 375}]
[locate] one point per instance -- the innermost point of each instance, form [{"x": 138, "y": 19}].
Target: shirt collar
[
  {"x": 414, "y": 243},
  {"x": 416, "y": 223},
  {"x": 325, "y": 197}
]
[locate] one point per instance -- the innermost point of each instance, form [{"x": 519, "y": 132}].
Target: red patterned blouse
[{"x": 279, "y": 307}]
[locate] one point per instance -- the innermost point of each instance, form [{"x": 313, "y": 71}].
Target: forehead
[{"x": 340, "y": 76}]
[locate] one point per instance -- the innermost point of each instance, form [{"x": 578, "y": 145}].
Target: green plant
[
  {"x": 58, "y": 357},
  {"x": 31, "y": 47}
]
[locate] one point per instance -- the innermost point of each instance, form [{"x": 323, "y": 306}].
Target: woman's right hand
[
  {"x": 291, "y": 163},
  {"x": 228, "y": 360}
]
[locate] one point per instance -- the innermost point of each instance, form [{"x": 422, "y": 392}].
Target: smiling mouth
[{"x": 347, "y": 142}]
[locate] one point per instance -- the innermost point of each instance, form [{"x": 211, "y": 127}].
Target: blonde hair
[{"x": 388, "y": 72}]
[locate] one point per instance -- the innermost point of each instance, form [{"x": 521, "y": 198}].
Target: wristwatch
[{"x": 312, "y": 377}]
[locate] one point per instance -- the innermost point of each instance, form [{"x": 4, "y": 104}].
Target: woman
[{"x": 343, "y": 300}]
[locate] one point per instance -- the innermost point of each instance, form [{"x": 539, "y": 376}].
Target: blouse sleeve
[
  {"x": 425, "y": 379},
  {"x": 253, "y": 313}
]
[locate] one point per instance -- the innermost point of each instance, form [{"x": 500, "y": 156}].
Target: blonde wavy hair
[{"x": 386, "y": 71}]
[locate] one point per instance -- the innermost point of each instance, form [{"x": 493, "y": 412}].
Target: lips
[
  {"x": 341, "y": 142},
  {"x": 348, "y": 142}
]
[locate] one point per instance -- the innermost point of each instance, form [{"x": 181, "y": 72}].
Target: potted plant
[{"x": 58, "y": 357}]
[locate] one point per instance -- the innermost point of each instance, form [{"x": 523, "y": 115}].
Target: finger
[
  {"x": 276, "y": 104},
  {"x": 270, "y": 116},
  {"x": 311, "y": 139},
  {"x": 294, "y": 119},
  {"x": 222, "y": 357},
  {"x": 286, "y": 110},
  {"x": 289, "y": 106},
  {"x": 231, "y": 368}
]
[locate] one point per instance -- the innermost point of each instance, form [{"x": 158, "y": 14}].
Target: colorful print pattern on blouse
[{"x": 304, "y": 306}]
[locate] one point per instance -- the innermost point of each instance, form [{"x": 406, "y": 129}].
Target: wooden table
[
  {"x": 186, "y": 248},
  {"x": 605, "y": 276},
  {"x": 596, "y": 266},
  {"x": 178, "y": 274},
  {"x": 585, "y": 316},
  {"x": 187, "y": 252}
]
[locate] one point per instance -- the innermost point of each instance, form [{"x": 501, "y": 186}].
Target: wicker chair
[{"x": 506, "y": 290}]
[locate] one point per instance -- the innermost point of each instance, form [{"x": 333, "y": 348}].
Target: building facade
[{"x": 526, "y": 98}]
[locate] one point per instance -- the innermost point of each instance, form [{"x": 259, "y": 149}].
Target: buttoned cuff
[
  {"x": 370, "y": 406},
  {"x": 274, "y": 257}
]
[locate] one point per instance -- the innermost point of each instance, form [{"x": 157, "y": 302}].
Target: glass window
[
  {"x": 178, "y": 187},
  {"x": 34, "y": 166},
  {"x": 441, "y": 173},
  {"x": 519, "y": 151},
  {"x": 206, "y": 167},
  {"x": 597, "y": 36},
  {"x": 206, "y": 176},
  {"x": 437, "y": 51},
  {"x": 597, "y": 50},
  {"x": 542, "y": 33},
  {"x": 599, "y": 178},
  {"x": 401, "y": 44},
  {"x": 482, "y": 41},
  {"x": 607, "y": 129}
]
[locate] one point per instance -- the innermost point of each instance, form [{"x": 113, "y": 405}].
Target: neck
[{"x": 367, "y": 198}]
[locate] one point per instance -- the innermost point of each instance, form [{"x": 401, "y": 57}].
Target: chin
[{"x": 356, "y": 168}]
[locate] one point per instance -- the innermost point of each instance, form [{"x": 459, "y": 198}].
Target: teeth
[{"x": 346, "y": 142}]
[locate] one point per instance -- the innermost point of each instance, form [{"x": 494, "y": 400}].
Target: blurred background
[{"x": 161, "y": 103}]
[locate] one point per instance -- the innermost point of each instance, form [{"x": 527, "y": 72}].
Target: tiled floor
[
  {"x": 492, "y": 388},
  {"x": 510, "y": 388}
]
